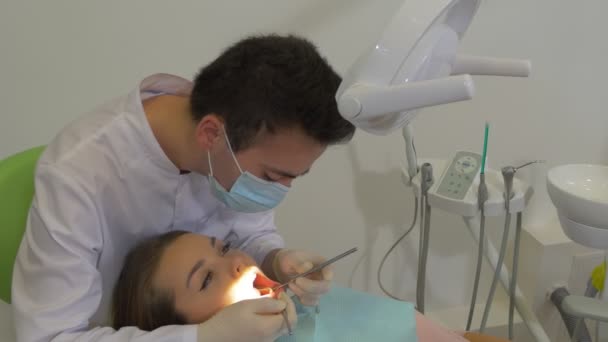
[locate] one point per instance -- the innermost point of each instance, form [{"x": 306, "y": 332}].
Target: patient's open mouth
[
  {"x": 251, "y": 285},
  {"x": 263, "y": 284}
]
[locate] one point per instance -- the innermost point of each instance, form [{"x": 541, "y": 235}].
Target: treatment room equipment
[
  {"x": 415, "y": 64},
  {"x": 579, "y": 193}
]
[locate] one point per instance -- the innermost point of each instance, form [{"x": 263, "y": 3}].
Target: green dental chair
[{"x": 16, "y": 192}]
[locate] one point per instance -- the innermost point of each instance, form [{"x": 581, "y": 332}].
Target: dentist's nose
[{"x": 286, "y": 181}]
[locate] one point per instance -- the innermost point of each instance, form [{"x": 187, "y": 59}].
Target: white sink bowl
[{"x": 580, "y": 194}]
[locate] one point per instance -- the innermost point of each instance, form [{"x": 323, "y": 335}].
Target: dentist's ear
[{"x": 209, "y": 131}]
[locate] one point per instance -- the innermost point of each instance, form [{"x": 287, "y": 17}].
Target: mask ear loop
[
  {"x": 209, "y": 161},
  {"x": 230, "y": 148}
]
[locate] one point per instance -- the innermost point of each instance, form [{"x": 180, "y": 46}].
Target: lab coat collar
[{"x": 150, "y": 86}]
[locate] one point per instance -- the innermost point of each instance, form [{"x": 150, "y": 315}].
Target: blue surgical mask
[{"x": 249, "y": 193}]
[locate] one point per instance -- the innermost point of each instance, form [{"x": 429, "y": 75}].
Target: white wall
[{"x": 60, "y": 58}]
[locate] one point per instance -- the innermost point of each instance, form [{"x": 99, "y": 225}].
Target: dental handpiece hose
[
  {"x": 513, "y": 285},
  {"x": 482, "y": 197},
  {"x": 425, "y": 210},
  {"x": 508, "y": 175},
  {"x": 508, "y": 180}
]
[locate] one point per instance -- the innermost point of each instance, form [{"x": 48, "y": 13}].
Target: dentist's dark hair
[
  {"x": 267, "y": 83},
  {"x": 135, "y": 301}
]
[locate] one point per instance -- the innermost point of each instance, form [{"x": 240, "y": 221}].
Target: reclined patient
[{"x": 185, "y": 278}]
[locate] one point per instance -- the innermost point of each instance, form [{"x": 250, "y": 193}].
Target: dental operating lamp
[{"x": 415, "y": 64}]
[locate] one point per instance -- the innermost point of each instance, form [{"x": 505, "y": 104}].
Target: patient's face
[{"x": 205, "y": 275}]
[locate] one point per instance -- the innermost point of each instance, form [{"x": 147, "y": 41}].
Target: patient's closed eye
[
  {"x": 207, "y": 280},
  {"x": 209, "y": 277},
  {"x": 225, "y": 249}
]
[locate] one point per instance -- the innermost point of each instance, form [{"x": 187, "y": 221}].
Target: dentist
[{"x": 215, "y": 157}]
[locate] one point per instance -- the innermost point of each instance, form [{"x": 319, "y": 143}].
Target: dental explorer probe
[
  {"x": 289, "y": 330},
  {"x": 316, "y": 268}
]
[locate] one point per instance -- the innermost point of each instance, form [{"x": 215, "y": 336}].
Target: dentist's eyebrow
[
  {"x": 196, "y": 267},
  {"x": 285, "y": 173}
]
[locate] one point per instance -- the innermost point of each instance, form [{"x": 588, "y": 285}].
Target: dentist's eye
[
  {"x": 225, "y": 249},
  {"x": 207, "y": 281}
]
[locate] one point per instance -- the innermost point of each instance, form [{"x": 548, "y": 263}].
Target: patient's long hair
[{"x": 135, "y": 301}]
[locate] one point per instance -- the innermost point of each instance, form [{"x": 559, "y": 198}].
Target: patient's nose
[{"x": 238, "y": 266}]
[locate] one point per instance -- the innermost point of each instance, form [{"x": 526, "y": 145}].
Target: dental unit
[{"x": 414, "y": 64}]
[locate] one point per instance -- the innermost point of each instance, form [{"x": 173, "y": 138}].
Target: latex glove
[
  {"x": 309, "y": 290},
  {"x": 258, "y": 320}
]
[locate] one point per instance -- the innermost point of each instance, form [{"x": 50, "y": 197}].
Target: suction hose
[{"x": 571, "y": 322}]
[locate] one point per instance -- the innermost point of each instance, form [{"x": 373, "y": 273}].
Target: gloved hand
[
  {"x": 289, "y": 262},
  {"x": 249, "y": 320}
]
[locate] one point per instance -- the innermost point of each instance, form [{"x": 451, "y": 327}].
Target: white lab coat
[{"x": 103, "y": 185}]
